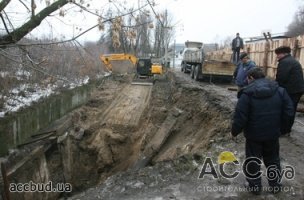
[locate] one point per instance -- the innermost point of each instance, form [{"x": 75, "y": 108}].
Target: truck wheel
[
  {"x": 182, "y": 67},
  {"x": 196, "y": 73},
  {"x": 192, "y": 71},
  {"x": 185, "y": 67}
]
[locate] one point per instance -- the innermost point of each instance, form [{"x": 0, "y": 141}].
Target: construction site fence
[{"x": 262, "y": 52}]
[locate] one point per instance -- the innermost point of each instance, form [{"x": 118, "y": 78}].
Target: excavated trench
[{"x": 122, "y": 127}]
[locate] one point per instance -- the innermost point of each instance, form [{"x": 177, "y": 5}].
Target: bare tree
[
  {"x": 143, "y": 34},
  {"x": 163, "y": 34},
  {"x": 226, "y": 42},
  {"x": 138, "y": 34},
  {"x": 296, "y": 27}
]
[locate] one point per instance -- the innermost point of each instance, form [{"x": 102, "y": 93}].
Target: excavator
[
  {"x": 107, "y": 59},
  {"x": 145, "y": 69}
]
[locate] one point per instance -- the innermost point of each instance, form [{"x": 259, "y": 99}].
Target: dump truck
[{"x": 195, "y": 63}]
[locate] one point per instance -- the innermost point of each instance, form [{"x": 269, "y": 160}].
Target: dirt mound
[
  {"x": 200, "y": 127},
  {"x": 153, "y": 138},
  {"x": 190, "y": 110}
]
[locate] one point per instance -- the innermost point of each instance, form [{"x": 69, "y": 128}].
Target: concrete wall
[{"x": 17, "y": 128}]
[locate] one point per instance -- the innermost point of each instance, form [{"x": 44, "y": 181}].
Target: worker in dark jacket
[
  {"x": 236, "y": 45},
  {"x": 290, "y": 76},
  {"x": 261, "y": 112}
]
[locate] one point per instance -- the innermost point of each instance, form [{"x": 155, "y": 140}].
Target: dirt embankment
[
  {"x": 149, "y": 142},
  {"x": 185, "y": 112},
  {"x": 128, "y": 127},
  {"x": 201, "y": 127}
]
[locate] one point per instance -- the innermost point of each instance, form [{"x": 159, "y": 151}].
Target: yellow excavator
[
  {"x": 145, "y": 69},
  {"x": 108, "y": 59}
]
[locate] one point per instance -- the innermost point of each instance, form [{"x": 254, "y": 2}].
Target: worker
[
  {"x": 236, "y": 45},
  {"x": 261, "y": 112},
  {"x": 290, "y": 76},
  {"x": 240, "y": 73}
]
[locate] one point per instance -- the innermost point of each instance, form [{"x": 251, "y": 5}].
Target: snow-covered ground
[{"x": 24, "y": 95}]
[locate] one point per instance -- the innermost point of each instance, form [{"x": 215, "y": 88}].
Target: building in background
[{"x": 175, "y": 53}]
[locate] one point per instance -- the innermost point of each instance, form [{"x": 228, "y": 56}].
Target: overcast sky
[
  {"x": 207, "y": 21},
  {"x": 212, "y": 20}
]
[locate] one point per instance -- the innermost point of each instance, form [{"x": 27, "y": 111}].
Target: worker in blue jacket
[
  {"x": 240, "y": 73},
  {"x": 263, "y": 112}
]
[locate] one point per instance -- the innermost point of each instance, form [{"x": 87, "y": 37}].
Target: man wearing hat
[
  {"x": 289, "y": 76},
  {"x": 240, "y": 73}
]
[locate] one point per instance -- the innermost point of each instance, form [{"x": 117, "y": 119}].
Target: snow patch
[
  {"x": 4, "y": 74},
  {"x": 80, "y": 82},
  {"x": 30, "y": 94},
  {"x": 22, "y": 74},
  {"x": 24, "y": 95}
]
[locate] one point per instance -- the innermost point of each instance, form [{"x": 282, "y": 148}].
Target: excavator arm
[{"x": 107, "y": 58}]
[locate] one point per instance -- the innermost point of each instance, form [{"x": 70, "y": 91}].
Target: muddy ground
[
  {"x": 148, "y": 142},
  {"x": 185, "y": 121}
]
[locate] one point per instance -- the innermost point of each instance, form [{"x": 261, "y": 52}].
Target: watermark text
[{"x": 40, "y": 187}]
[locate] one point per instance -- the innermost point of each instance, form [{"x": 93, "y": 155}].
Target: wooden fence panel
[{"x": 262, "y": 53}]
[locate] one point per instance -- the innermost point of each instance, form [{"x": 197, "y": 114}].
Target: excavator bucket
[
  {"x": 119, "y": 63},
  {"x": 122, "y": 67}
]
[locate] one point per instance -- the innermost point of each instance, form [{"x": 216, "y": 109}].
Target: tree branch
[
  {"x": 35, "y": 21},
  {"x": 32, "y": 66},
  {"x": 9, "y": 21},
  {"x": 4, "y": 23},
  {"x": 151, "y": 6},
  {"x": 33, "y": 5},
  {"x": 85, "y": 9},
  {"x": 3, "y": 4},
  {"x": 24, "y": 5}
]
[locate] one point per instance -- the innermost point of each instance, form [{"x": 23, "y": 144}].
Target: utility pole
[
  {"x": 174, "y": 53},
  {"x": 166, "y": 52}
]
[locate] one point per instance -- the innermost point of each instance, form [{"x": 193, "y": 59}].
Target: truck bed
[{"x": 218, "y": 67}]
